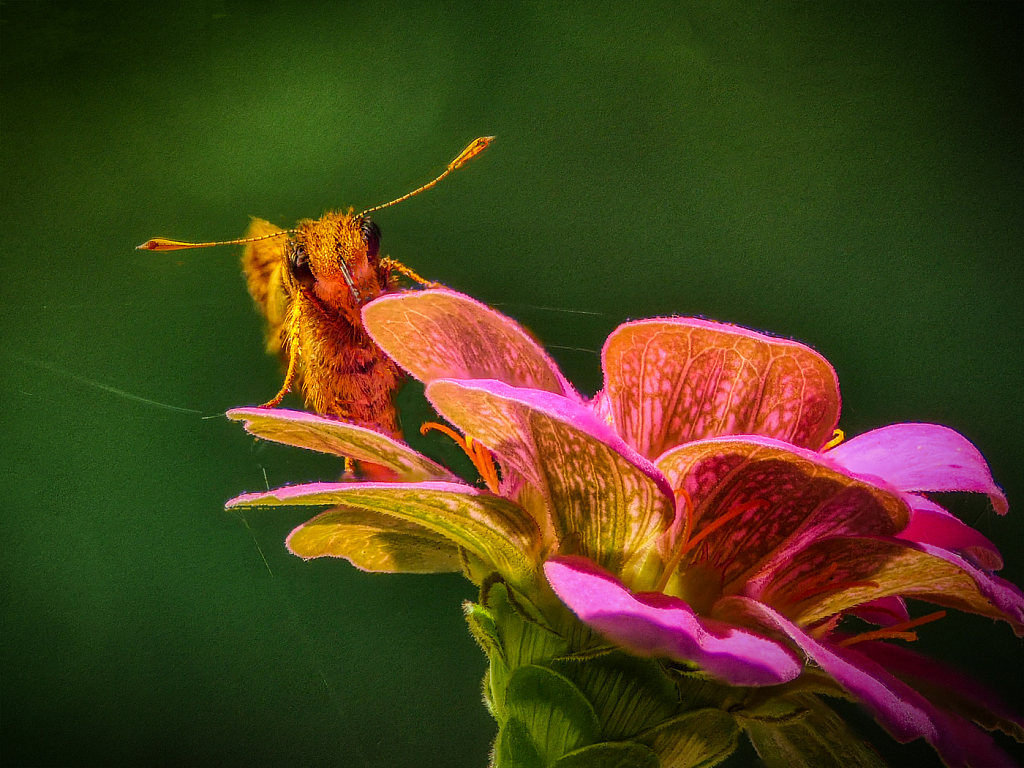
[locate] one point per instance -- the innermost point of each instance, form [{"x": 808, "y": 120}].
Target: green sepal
[
  {"x": 610, "y": 755},
  {"x": 628, "y": 693},
  {"x": 557, "y": 716},
  {"x": 774, "y": 711},
  {"x": 515, "y": 747},
  {"x": 818, "y": 740},
  {"x": 697, "y": 691},
  {"x": 523, "y": 639},
  {"x": 697, "y": 739},
  {"x": 481, "y": 626}
]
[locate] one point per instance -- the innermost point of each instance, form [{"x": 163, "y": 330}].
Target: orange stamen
[
  {"x": 734, "y": 512},
  {"x": 483, "y": 462},
  {"x": 688, "y": 519},
  {"x": 895, "y": 632},
  {"x": 686, "y": 544},
  {"x": 432, "y": 425},
  {"x": 825, "y": 627},
  {"x": 477, "y": 453}
]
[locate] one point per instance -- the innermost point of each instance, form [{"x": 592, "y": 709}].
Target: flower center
[{"x": 687, "y": 543}]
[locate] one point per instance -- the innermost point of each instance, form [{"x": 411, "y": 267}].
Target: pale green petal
[
  {"x": 606, "y": 502},
  {"x": 375, "y": 542},
  {"x": 494, "y": 529},
  {"x": 327, "y": 435}
]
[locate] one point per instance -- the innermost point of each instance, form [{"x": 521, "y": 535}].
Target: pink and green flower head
[{"x": 696, "y": 512}]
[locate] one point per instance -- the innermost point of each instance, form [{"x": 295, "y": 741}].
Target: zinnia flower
[{"x": 706, "y": 535}]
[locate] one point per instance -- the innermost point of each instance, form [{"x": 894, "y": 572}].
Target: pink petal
[
  {"x": 1005, "y": 597},
  {"x": 605, "y": 500},
  {"x": 920, "y": 457},
  {"x": 960, "y": 743},
  {"x": 658, "y": 625},
  {"x": 898, "y": 708},
  {"x": 670, "y": 381},
  {"x": 961, "y": 692},
  {"x": 837, "y": 573},
  {"x": 794, "y": 497},
  {"x": 442, "y": 334},
  {"x": 931, "y": 524}
]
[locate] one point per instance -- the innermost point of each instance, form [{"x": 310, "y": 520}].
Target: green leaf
[
  {"x": 819, "y": 740},
  {"x": 603, "y": 504},
  {"x": 515, "y": 747},
  {"x": 698, "y": 739},
  {"x": 628, "y": 693},
  {"x": 610, "y": 755},
  {"x": 494, "y": 529},
  {"x": 440, "y": 334},
  {"x": 558, "y": 718},
  {"x": 339, "y": 438},
  {"x": 375, "y": 542}
]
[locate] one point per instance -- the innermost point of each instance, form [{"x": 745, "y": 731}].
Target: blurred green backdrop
[{"x": 848, "y": 174}]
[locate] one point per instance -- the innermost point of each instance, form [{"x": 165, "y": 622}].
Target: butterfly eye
[
  {"x": 298, "y": 264},
  {"x": 371, "y": 235}
]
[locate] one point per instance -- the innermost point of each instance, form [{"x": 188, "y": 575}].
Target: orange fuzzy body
[{"x": 298, "y": 280}]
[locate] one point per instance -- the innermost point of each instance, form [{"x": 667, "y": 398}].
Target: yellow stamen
[
  {"x": 477, "y": 453},
  {"x": 824, "y": 628},
  {"x": 895, "y": 632},
  {"x": 837, "y": 437}
]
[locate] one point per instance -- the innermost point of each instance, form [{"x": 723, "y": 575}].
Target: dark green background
[{"x": 848, "y": 174}]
